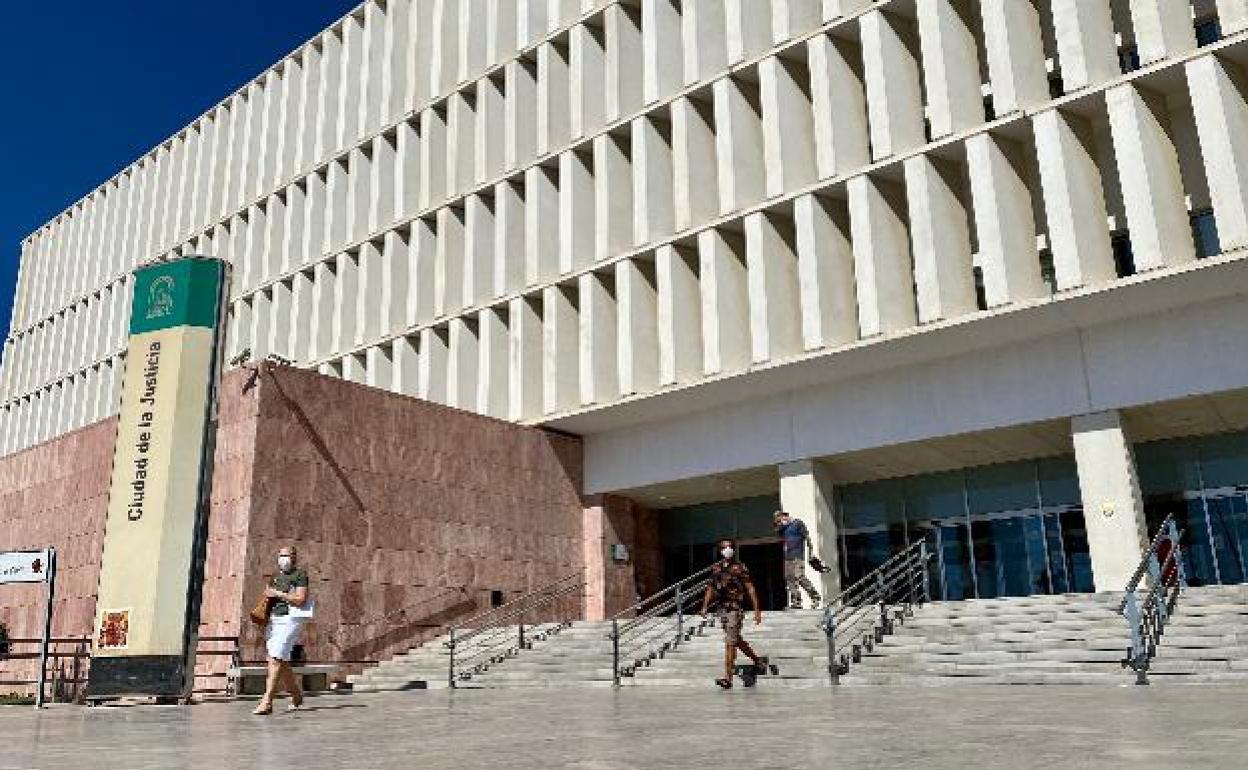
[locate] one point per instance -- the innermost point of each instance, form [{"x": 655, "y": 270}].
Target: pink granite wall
[
  {"x": 54, "y": 494},
  {"x": 614, "y": 585},
  {"x": 406, "y": 513}
]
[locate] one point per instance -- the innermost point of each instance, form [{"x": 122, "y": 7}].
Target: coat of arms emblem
[{"x": 160, "y": 297}]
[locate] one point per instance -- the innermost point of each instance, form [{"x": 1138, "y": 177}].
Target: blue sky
[{"x": 87, "y": 86}]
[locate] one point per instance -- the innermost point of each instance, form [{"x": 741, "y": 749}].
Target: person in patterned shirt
[{"x": 726, "y": 591}]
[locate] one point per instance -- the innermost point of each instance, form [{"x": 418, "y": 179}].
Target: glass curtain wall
[
  {"x": 1012, "y": 529},
  {"x": 1204, "y": 483}
]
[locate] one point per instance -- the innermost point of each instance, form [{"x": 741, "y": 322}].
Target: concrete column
[
  {"x": 346, "y": 297},
  {"x": 637, "y": 302},
  {"x": 553, "y": 116},
  {"x": 353, "y": 90},
  {"x": 1004, "y": 223},
  {"x": 274, "y": 237},
  {"x": 560, "y": 344},
  {"x": 576, "y": 210},
  {"x": 397, "y": 264},
  {"x": 491, "y": 126},
  {"x": 433, "y": 364},
  {"x": 788, "y": 124},
  {"x": 369, "y": 300},
  {"x": 381, "y": 212},
  {"x": 338, "y": 209},
  {"x": 448, "y": 268},
  {"x": 725, "y": 302},
  {"x": 792, "y": 18},
  {"x": 613, "y": 194},
  {"x": 749, "y": 28},
  {"x": 739, "y": 145},
  {"x": 599, "y": 379},
  {"x": 662, "y": 56},
  {"x": 399, "y": 43},
  {"x": 894, "y": 92},
  {"x": 883, "y": 270},
  {"x": 280, "y": 327},
  {"x": 380, "y": 367},
  {"x": 1074, "y": 200},
  {"x": 433, "y": 152},
  {"x": 309, "y": 123},
  {"x": 1220, "y": 105},
  {"x": 461, "y": 143},
  {"x": 940, "y": 239},
  {"x": 461, "y": 374},
  {"x": 261, "y": 321},
  {"x": 328, "y": 99},
  {"x": 624, "y": 51},
  {"x": 653, "y": 191},
  {"x": 530, "y": 21},
  {"x": 299, "y": 343},
  {"x": 1163, "y": 28},
  {"x": 806, "y": 493},
  {"x": 508, "y": 237},
  {"x": 775, "y": 298},
  {"x": 1113, "y": 507},
  {"x": 492, "y": 364},
  {"x": 422, "y": 257},
  {"x": 541, "y": 225},
  {"x": 478, "y": 249},
  {"x": 950, "y": 67},
  {"x": 315, "y": 234},
  {"x": 680, "y": 318},
  {"x": 587, "y": 79},
  {"x": 405, "y": 363},
  {"x": 705, "y": 34},
  {"x": 695, "y": 177},
  {"x": 473, "y": 37},
  {"x": 501, "y": 27},
  {"x": 292, "y": 245},
  {"x": 1086, "y": 45},
  {"x": 1152, "y": 186},
  {"x": 840, "y": 105},
  {"x": 524, "y": 318},
  {"x": 519, "y": 116},
  {"x": 444, "y": 56},
  {"x": 825, "y": 267}
]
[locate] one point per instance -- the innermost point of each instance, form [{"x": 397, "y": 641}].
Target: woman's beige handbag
[{"x": 260, "y": 612}]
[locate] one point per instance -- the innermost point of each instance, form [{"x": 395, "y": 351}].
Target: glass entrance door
[
  {"x": 1017, "y": 553},
  {"x": 1228, "y": 524}
]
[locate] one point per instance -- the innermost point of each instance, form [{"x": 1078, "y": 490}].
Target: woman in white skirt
[{"x": 288, "y": 589}]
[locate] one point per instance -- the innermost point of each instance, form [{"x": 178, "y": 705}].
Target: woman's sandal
[
  {"x": 263, "y": 710},
  {"x": 724, "y": 683}
]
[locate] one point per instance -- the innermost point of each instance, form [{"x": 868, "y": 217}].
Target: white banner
[{"x": 23, "y": 567}]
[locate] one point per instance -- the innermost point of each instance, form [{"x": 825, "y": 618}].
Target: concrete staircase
[
  {"x": 1066, "y": 639},
  {"x": 1207, "y": 639}
]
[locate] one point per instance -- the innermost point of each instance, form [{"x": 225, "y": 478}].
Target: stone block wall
[{"x": 408, "y": 515}]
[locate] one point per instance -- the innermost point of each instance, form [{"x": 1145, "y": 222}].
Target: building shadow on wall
[{"x": 313, "y": 435}]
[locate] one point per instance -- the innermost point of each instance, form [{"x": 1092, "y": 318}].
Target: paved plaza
[{"x": 602, "y": 729}]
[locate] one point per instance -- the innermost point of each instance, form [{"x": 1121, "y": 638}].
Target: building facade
[{"x": 963, "y": 269}]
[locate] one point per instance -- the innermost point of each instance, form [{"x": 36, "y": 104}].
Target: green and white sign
[{"x": 149, "y": 579}]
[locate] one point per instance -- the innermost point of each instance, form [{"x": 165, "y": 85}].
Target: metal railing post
[
  {"x": 829, "y": 630},
  {"x": 927, "y": 581},
  {"x": 615, "y": 652},
  {"x": 450, "y": 678},
  {"x": 680, "y": 615},
  {"x": 883, "y": 599}
]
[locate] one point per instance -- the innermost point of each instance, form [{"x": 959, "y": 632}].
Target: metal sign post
[{"x": 34, "y": 567}]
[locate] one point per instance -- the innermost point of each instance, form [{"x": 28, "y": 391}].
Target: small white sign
[{"x": 23, "y": 566}]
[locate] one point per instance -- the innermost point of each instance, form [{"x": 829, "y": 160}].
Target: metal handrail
[
  {"x": 501, "y": 633},
  {"x": 656, "y": 625},
  {"x": 868, "y": 610},
  {"x": 1148, "y": 610}
]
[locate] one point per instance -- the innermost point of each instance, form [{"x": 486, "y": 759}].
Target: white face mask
[
  {"x": 727, "y": 553},
  {"x": 284, "y": 563}
]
